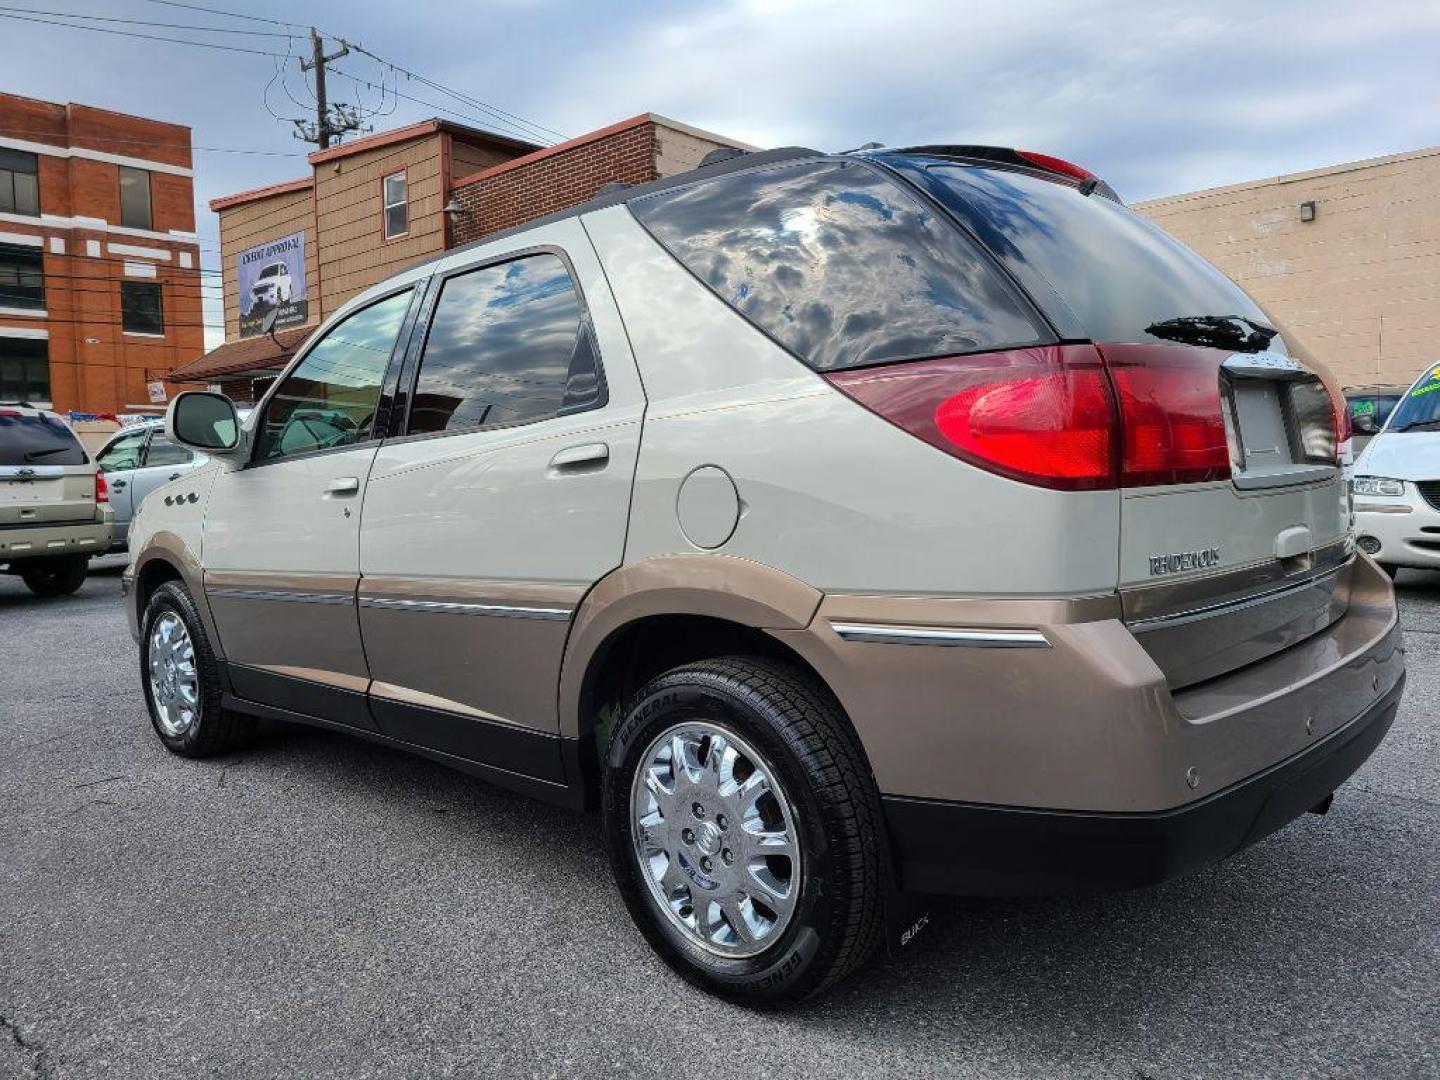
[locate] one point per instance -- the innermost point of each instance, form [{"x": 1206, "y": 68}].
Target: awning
[{"x": 259, "y": 354}]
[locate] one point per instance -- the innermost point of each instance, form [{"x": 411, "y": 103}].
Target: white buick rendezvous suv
[{"x": 848, "y": 528}]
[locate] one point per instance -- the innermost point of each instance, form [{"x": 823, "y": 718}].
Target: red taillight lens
[
  {"x": 1170, "y": 409},
  {"x": 1054, "y": 164},
  {"x": 102, "y": 489},
  {"x": 1044, "y": 416}
]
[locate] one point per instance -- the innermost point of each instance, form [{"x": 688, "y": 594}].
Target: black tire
[
  {"x": 60, "y": 575},
  {"x": 214, "y": 730},
  {"x": 796, "y": 724}
]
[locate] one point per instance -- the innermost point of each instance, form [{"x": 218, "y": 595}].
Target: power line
[
  {"x": 145, "y": 37},
  {"x": 147, "y": 22},
  {"x": 468, "y": 118},
  {"x": 230, "y": 14}
]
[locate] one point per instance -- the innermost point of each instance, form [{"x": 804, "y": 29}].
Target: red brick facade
[
  {"x": 554, "y": 178},
  {"x": 94, "y": 364}
]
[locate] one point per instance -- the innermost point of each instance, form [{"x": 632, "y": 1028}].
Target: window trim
[
  {"x": 386, "y": 236},
  {"x": 14, "y": 304},
  {"x": 417, "y": 288},
  {"x": 19, "y": 172},
  {"x": 159, "y": 292},
  {"x": 1046, "y": 332},
  {"x": 149, "y": 196},
  {"x": 410, "y": 376}
]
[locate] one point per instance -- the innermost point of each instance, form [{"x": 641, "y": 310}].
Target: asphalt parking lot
[{"x": 318, "y": 906}]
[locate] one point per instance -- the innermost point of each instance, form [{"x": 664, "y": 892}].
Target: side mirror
[
  {"x": 1364, "y": 424},
  {"x": 204, "y": 421}
]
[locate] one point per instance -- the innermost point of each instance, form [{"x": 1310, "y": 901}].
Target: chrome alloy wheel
[
  {"x": 174, "y": 680},
  {"x": 716, "y": 840}
]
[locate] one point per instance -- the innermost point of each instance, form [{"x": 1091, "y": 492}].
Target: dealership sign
[{"x": 272, "y": 278}]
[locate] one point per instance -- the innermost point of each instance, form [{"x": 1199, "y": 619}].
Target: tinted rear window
[
  {"x": 1116, "y": 271},
  {"x": 839, "y": 264},
  {"x": 38, "y": 440}
]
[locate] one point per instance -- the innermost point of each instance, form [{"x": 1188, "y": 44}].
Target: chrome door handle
[
  {"x": 577, "y": 457},
  {"x": 343, "y": 485}
]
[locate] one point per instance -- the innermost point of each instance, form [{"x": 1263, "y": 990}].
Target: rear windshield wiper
[
  {"x": 1215, "y": 331},
  {"x": 31, "y": 455}
]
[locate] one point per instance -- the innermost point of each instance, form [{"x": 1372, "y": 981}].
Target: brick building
[
  {"x": 99, "y": 262},
  {"x": 1346, "y": 256},
  {"x": 369, "y": 208}
]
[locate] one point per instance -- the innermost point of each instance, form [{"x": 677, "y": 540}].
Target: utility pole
[{"x": 331, "y": 122}]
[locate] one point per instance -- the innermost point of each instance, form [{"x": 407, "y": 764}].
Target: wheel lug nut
[
  {"x": 728, "y": 856},
  {"x": 720, "y": 820},
  {"x": 706, "y": 864},
  {"x": 688, "y": 836},
  {"x": 698, "y": 810}
]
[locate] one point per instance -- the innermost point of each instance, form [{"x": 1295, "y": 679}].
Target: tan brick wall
[
  {"x": 1359, "y": 285},
  {"x": 352, "y": 252},
  {"x": 680, "y": 148},
  {"x": 252, "y": 223}
]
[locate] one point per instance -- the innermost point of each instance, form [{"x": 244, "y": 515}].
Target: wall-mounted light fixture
[
  {"x": 454, "y": 209},
  {"x": 1307, "y": 211}
]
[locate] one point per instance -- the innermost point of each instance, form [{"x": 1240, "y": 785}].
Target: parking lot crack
[{"x": 38, "y": 1057}]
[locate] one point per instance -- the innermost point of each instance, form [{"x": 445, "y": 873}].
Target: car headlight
[{"x": 1379, "y": 485}]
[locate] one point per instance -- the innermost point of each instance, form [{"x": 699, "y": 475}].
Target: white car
[
  {"x": 1397, "y": 483},
  {"x": 272, "y": 287}
]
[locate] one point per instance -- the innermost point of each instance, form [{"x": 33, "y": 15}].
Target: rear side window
[
  {"x": 37, "y": 440},
  {"x": 1116, "y": 271},
  {"x": 509, "y": 344},
  {"x": 839, "y": 264}
]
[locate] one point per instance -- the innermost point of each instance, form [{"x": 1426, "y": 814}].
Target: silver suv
[
  {"x": 54, "y": 508},
  {"x": 135, "y": 462},
  {"x": 848, "y": 528}
]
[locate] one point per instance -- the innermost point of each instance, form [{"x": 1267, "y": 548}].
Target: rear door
[
  {"x": 502, "y": 500},
  {"x": 164, "y": 461},
  {"x": 122, "y": 457},
  {"x": 1233, "y": 507},
  {"x": 282, "y": 530}
]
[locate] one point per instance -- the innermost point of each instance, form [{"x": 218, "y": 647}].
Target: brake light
[
  {"x": 1174, "y": 430},
  {"x": 11, "y": 412},
  {"x": 102, "y": 489},
  {"x": 1043, "y": 416},
  {"x": 1056, "y": 165}
]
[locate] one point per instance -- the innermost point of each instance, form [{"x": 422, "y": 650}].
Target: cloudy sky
[{"x": 1156, "y": 97}]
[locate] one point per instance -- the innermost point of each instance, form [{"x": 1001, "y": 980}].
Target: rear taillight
[
  {"x": 1062, "y": 416},
  {"x": 1043, "y": 416},
  {"x": 1174, "y": 429},
  {"x": 102, "y": 489}
]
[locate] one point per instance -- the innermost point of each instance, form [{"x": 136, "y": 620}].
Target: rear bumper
[
  {"x": 966, "y": 849},
  {"x": 62, "y": 538}
]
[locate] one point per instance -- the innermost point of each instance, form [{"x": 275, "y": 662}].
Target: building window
[
  {"x": 22, "y": 277},
  {"x": 19, "y": 183},
  {"x": 24, "y": 369},
  {"x": 397, "y": 208},
  {"x": 135, "y": 198},
  {"x": 141, "y": 311}
]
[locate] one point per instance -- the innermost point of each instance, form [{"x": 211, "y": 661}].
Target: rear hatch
[
  {"x": 1234, "y": 538},
  {"x": 45, "y": 475}
]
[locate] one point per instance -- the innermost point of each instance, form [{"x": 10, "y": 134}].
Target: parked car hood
[{"x": 1407, "y": 455}]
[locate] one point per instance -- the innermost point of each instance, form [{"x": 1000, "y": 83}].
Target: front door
[
  {"x": 282, "y": 530},
  {"x": 120, "y": 460},
  {"x": 503, "y": 501}
]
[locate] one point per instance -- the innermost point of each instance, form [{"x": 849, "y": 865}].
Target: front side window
[
  {"x": 22, "y": 277},
  {"x": 141, "y": 308},
  {"x": 839, "y": 264},
  {"x": 135, "y": 198},
  {"x": 126, "y": 452},
  {"x": 19, "y": 183},
  {"x": 24, "y": 369},
  {"x": 330, "y": 399},
  {"x": 509, "y": 344},
  {"x": 396, "y": 205}
]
